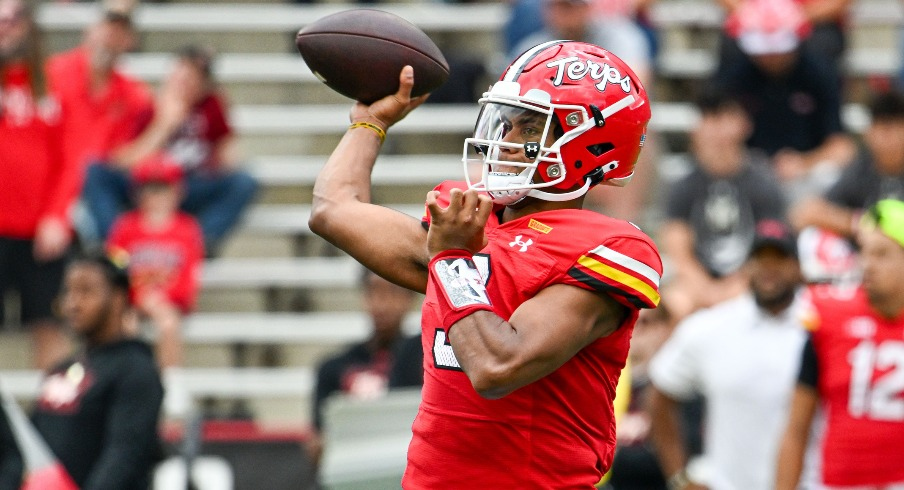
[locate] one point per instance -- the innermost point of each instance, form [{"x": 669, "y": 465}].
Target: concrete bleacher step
[
  {"x": 259, "y": 68},
  {"x": 701, "y": 62},
  {"x": 247, "y": 382},
  {"x": 321, "y": 328},
  {"x": 390, "y": 169},
  {"x": 292, "y": 219},
  {"x": 280, "y": 272}
]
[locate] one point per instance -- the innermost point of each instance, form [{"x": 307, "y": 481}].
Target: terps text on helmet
[{"x": 576, "y": 69}]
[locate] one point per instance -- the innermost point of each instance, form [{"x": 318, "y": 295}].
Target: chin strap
[{"x": 567, "y": 196}]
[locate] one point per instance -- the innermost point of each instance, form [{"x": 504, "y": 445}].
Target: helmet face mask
[{"x": 565, "y": 116}]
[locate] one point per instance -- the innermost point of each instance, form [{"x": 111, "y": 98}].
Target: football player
[
  {"x": 530, "y": 300},
  {"x": 853, "y": 366}
]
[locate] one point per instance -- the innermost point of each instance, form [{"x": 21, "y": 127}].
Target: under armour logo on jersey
[
  {"x": 531, "y": 149},
  {"x": 519, "y": 243}
]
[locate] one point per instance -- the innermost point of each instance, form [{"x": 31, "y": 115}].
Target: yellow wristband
[{"x": 373, "y": 127}]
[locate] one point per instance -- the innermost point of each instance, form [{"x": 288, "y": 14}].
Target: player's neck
[
  {"x": 537, "y": 205},
  {"x": 891, "y": 308}
]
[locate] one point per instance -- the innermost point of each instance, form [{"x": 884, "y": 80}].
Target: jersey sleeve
[
  {"x": 626, "y": 268},
  {"x": 808, "y": 375}
]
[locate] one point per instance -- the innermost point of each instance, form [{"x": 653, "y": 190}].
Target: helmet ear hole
[{"x": 600, "y": 148}]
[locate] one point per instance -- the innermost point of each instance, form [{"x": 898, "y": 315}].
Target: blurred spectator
[
  {"x": 387, "y": 359},
  {"x": 635, "y": 466},
  {"x": 851, "y": 368},
  {"x": 165, "y": 250},
  {"x": 100, "y": 102},
  {"x": 740, "y": 356},
  {"x": 464, "y": 85},
  {"x": 38, "y": 189},
  {"x": 711, "y": 214},
  {"x": 11, "y": 467},
  {"x": 525, "y": 18},
  {"x": 578, "y": 20},
  {"x": 876, "y": 173},
  {"x": 793, "y": 97},
  {"x": 98, "y": 410},
  {"x": 827, "y": 20},
  {"x": 189, "y": 122}
]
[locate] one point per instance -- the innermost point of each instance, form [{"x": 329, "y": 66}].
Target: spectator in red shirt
[
  {"x": 38, "y": 189},
  {"x": 189, "y": 122},
  {"x": 164, "y": 248},
  {"x": 100, "y": 102}
]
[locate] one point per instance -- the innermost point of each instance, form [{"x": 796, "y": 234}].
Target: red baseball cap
[
  {"x": 768, "y": 26},
  {"x": 159, "y": 168},
  {"x": 775, "y": 234}
]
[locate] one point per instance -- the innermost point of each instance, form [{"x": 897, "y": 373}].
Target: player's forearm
[
  {"x": 492, "y": 354},
  {"x": 837, "y": 150},
  {"x": 821, "y": 213},
  {"x": 794, "y": 441},
  {"x": 346, "y": 177},
  {"x": 151, "y": 140},
  {"x": 666, "y": 433},
  {"x": 790, "y": 463}
]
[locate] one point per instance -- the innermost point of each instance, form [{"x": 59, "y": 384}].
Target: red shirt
[
  {"x": 96, "y": 123},
  {"x": 168, "y": 259},
  {"x": 195, "y": 143},
  {"x": 860, "y": 360},
  {"x": 35, "y": 182},
  {"x": 558, "y": 432}
]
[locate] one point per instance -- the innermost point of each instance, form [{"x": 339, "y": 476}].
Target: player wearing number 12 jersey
[
  {"x": 531, "y": 300},
  {"x": 853, "y": 366}
]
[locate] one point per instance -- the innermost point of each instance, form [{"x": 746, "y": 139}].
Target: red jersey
[
  {"x": 860, "y": 362},
  {"x": 194, "y": 144},
  {"x": 96, "y": 122},
  {"x": 168, "y": 259},
  {"x": 36, "y": 183},
  {"x": 558, "y": 432}
]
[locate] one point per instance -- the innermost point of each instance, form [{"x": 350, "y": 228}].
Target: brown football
[{"x": 359, "y": 53}]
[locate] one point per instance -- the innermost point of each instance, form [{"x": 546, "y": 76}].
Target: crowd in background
[{"x": 772, "y": 201}]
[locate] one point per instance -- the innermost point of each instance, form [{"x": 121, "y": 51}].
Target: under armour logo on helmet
[
  {"x": 531, "y": 149},
  {"x": 519, "y": 243}
]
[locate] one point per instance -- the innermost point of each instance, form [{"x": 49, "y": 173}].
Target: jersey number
[
  {"x": 879, "y": 399},
  {"x": 443, "y": 357}
]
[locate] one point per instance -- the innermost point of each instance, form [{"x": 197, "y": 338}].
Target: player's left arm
[{"x": 501, "y": 356}]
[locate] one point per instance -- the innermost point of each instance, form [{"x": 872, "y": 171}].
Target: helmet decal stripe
[{"x": 518, "y": 65}]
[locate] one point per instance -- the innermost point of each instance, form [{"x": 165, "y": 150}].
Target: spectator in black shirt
[
  {"x": 711, "y": 214},
  {"x": 877, "y": 173},
  {"x": 386, "y": 359},
  {"x": 792, "y": 95},
  {"x": 98, "y": 411}
]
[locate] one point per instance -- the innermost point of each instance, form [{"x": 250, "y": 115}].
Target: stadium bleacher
[{"x": 288, "y": 122}]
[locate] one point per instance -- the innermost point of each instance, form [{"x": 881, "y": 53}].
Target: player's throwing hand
[
  {"x": 392, "y": 108},
  {"x": 461, "y": 225}
]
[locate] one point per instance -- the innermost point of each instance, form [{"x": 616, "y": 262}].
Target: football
[{"x": 359, "y": 53}]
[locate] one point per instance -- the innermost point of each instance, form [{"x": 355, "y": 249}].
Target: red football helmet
[{"x": 577, "y": 112}]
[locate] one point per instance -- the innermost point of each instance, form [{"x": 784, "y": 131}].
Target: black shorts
[{"x": 38, "y": 283}]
